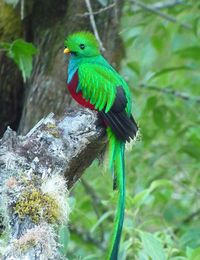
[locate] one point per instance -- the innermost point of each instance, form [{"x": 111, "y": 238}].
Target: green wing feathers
[{"x": 98, "y": 85}]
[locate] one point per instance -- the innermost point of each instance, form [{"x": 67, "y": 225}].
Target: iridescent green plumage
[
  {"x": 108, "y": 93},
  {"x": 74, "y": 40},
  {"x": 100, "y": 80},
  {"x": 97, "y": 77}
]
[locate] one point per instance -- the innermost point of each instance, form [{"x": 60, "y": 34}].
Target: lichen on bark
[{"x": 36, "y": 171}]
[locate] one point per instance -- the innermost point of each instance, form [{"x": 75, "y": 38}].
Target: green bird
[{"x": 96, "y": 85}]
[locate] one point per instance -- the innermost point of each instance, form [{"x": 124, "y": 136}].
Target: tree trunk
[
  {"x": 11, "y": 84},
  {"x": 36, "y": 171}
]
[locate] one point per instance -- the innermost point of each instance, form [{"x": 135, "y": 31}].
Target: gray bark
[{"x": 47, "y": 161}]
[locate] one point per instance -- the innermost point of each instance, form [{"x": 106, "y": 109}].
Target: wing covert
[{"x": 98, "y": 85}]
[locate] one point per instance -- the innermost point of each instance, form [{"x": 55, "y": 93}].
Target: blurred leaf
[
  {"x": 152, "y": 246},
  {"x": 12, "y": 2},
  {"x": 140, "y": 197},
  {"x": 179, "y": 258},
  {"x": 190, "y": 52},
  {"x": 89, "y": 257},
  {"x": 191, "y": 238},
  {"x": 192, "y": 150},
  {"x": 22, "y": 53},
  {"x": 103, "y": 2},
  {"x": 133, "y": 33},
  {"x": 193, "y": 135},
  {"x": 134, "y": 66},
  {"x": 160, "y": 183},
  {"x": 63, "y": 239},
  {"x": 157, "y": 42},
  {"x": 193, "y": 254},
  {"x": 151, "y": 103},
  {"x": 196, "y": 27},
  {"x": 102, "y": 218},
  {"x": 5, "y": 45},
  {"x": 168, "y": 70},
  {"x": 124, "y": 249},
  {"x": 163, "y": 116}
]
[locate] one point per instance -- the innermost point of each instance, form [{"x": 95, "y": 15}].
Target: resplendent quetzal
[{"x": 95, "y": 84}]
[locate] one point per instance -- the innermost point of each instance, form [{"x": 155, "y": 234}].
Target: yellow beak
[{"x": 66, "y": 51}]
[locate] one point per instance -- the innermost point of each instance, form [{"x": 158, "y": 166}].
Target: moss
[
  {"x": 52, "y": 129},
  {"x": 30, "y": 183},
  {"x": 37, "y": 206},
  {"x": 10, "y": 23},
  {"x": 26, "y": 246}
]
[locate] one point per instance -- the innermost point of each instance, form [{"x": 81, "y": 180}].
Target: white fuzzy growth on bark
[
  {"x": 36, "y": 172},
  {"x": 39, "y": 241},
  {"x": 55, "y": 187}
]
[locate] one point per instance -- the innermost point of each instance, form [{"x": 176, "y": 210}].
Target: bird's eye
[
  {"x": 65, "y": 46},
  {"x": 82, "y": 46}
]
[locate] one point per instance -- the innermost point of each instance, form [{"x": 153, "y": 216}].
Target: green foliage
[
  {"x": 63, "y": 240},
  {"x": 103, "y": 2},
  {"x": 151, "y": 247},
  {"x": 162, "y": 207},
  {"x": 22, "y": 54},
  {"x": 10, "y": 23},
  {"x": 12, "y": 2}
]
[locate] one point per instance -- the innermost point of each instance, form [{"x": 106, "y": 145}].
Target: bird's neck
[
  {"x": 72, "y": 66},
  {"x": 75, "y": 61}
]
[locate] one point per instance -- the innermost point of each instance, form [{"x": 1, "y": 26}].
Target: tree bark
[
  {"x": 36, "y": 170},
  {"x": 11, "y": 84}
]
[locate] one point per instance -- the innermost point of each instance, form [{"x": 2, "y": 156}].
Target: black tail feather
[{"x": 123, "y": 126}]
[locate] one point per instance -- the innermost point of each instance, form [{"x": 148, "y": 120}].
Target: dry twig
[
  {"x": 162, "y": 5},
  {"x": 101, "y": 10},
  {"x": 169, "y": 91},
  {"x": 167, "y": 17},
  {"x": 93, "y": 24}
]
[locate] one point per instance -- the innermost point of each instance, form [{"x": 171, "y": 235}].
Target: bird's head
[{"x": 82, "y": 44}]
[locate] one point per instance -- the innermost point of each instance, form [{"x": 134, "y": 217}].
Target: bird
[{"x": 96, "y": 85}]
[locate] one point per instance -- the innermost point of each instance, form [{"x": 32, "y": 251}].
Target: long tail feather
[{"x": 119, "y": 168}]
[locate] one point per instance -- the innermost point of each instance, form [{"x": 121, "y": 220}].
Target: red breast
[{"x": 72, "y": 85}]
